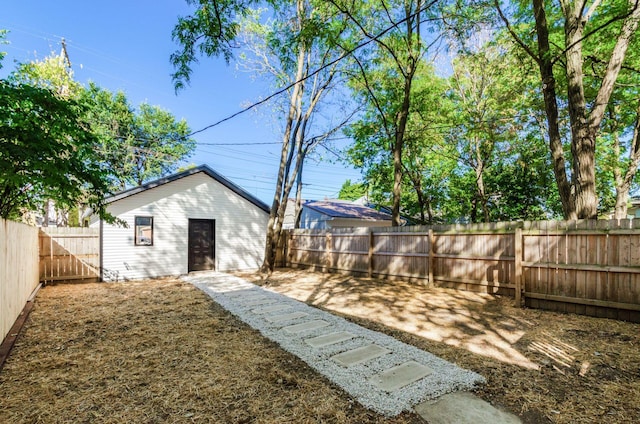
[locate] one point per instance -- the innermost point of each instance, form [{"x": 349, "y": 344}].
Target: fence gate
[{"x": 69, "y": 254}]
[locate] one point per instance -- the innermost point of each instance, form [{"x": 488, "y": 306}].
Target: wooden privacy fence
[
  {"x": 18, "y": 270},
  {"x": 69, "y": 254},
  {"x": 587, "y": 267}
]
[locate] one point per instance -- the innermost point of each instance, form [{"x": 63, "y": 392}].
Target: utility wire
[{"x": 312, "y": 74}]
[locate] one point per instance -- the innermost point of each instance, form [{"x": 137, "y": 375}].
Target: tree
[
  {"x": 426, "y": 158},
  {"x": 46, "y": 152},
  {"x": 396, "y": 29},
  {"x": 559, "y": 52},
  {"x": 352, "y": 191},
  {"x": 487, "y": 95},
  {"x": 138, "y": 145},
  {"x": 113, "y": 122},
  {"x": 160, "y": 143},
  {"x": 129, "y": 147},
  {"x": 296, "y": 50}
]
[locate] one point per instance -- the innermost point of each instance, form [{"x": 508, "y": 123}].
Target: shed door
[{"x": 202, "y": 237}]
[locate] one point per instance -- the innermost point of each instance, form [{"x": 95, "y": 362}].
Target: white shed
[{"x": 191, "y": 221}]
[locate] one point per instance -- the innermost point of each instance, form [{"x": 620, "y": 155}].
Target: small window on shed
[{"x": 143, "y": 230}]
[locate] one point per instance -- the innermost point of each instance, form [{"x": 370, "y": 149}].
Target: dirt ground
[
  {"x": 161, "y": 351},
  {"x": 542, "y": 366}
]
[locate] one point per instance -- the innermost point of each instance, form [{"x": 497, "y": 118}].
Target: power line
[
  {"x": 238, "y": 144},
  {"x": 312, "y": 74}
]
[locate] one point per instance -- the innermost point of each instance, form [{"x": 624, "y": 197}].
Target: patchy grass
[
  {"x": 543, "y": 366},
  {"x": 159, "y": 351}
]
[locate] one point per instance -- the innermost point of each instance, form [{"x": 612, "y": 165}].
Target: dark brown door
[{"x": 202, "y": 251}]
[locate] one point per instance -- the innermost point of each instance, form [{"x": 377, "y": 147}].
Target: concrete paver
[
  {"x": 400, "y": 376},
  {"x": 329, "y": 339},
  {"x": 463, "y": 408},
  {"x": 260, "y": 302},
  {"x": 359, "y": 355},
  {"x": 272, "y": 308},
  {"x": 285, "y": 317},
  {"x": 305, "y": 326}
]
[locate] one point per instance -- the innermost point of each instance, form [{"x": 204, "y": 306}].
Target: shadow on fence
[{"x": 69, "y": 254}]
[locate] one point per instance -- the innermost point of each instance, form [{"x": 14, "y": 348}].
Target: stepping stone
[
  {"x": 463, "y": 408},
  {"x": 329, "y": 339},
  {"x": 248, "y": 297},
  {"x": 400, "y": 376},
  {"x": 239, "y": 293},
  {"x": 272, "y": 308},
  {"x": 359, "y": 355},
  {"x": 305, "y": 326},
  {"x": 285, "y": 317},
  {"x": 260, "y": 301}
]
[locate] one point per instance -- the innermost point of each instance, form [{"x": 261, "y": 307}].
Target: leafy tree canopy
[
  {"x": 47, "y": 151},
  {"x": 74, "y": 145},
  {"x": 352, "y": 191}
]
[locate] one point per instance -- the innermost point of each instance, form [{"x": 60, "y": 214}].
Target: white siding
[
  {"x": 314, "y": 220},
  {"x": 240, "y": 229}
]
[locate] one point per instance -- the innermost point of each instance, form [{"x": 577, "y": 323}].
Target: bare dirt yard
[
  {"x": 161, "y": 351},
  {"x": 543, "y": 366}
]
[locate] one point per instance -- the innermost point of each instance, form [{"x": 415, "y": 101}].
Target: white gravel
[{"x": 244, "y": 299}]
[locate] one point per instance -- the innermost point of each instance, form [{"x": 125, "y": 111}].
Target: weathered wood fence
[
  {"x": 585, "y": 267},
  {"x": 69, "y": 254},
  {"x": 18, "y": 270}
]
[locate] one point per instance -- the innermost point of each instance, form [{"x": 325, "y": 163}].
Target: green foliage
[
  {"x": 350, "y": 191},
  {"x": 3, "y": 35},
  {"x": 51, "y": 73},
  {"x": 76, "y": 145},
  {"x": 46, "y": 152},
  {"x": 210, "y": 31},
  {"x": 139, "y": 145},
  {"x": 160, "y": 143},
  {"x": 113, "y": 123}
]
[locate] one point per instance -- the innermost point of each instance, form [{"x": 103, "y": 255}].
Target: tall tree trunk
[
  {"x": 623, "y": 185},
  {"x": 298, "y": 204},
  {"x": 583, "y": 143},
  {"x": 551, "y": 109},
  {"x": 283, "y": 170}
]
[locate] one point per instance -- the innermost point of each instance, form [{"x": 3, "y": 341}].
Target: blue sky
[{"x": 125, "y": 45}]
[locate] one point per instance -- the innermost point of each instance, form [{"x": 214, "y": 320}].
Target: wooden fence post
[
  {"x": 518, "y": 266},
  {"x": 328, "y": 253},
  {"x": 431, "y": 258},
  {"x": 370, "y": 254}
]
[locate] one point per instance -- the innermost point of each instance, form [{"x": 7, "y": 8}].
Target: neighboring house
[
  {"x": 190, "y": 221},
  {"x": 633, "y": 209},
  {"x": 329, "y": 214}
]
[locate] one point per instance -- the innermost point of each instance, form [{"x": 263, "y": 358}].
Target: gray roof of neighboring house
[
  {"x": 342, "y": 209},
  {"x": 202, "y": 168}
]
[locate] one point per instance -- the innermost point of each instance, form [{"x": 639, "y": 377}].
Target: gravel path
[{"x": 380, "y": 372}]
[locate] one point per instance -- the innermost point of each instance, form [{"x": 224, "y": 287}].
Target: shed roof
[
  {"x": 191, "y": 171},
  {"x": 342, "y": 209}
]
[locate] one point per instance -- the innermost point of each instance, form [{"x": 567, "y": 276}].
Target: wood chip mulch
[{"x": 159, "y": 351}]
